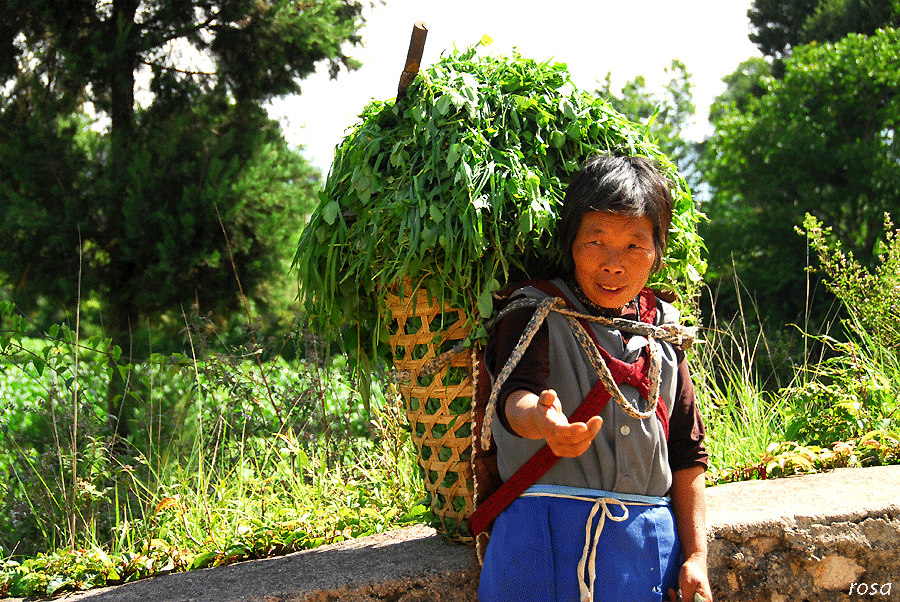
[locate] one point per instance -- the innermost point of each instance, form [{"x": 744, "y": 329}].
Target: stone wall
[
  {"x": 830, "y": 536},
  {"x": 824, "y": 537}
]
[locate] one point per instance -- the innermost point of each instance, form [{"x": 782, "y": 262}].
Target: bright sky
[{"x": 593, "y": 37}]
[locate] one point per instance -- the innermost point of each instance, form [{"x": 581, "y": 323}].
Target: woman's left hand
[
  {"x": 693, "y": 581},
  {"x": 689, "y": 506}
]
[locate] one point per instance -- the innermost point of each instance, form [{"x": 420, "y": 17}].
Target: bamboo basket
[{"x": 438, "y": 406}]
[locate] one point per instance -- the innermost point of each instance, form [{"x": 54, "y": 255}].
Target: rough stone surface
[
  {"x": 816, "y": 538},
  {"x": 807, "y": 538}
]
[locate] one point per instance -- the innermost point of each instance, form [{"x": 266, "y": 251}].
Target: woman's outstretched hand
[{"x": 541, "y": 417}]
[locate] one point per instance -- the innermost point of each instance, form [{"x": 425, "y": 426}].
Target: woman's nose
[{"x": 612, "y": 263}]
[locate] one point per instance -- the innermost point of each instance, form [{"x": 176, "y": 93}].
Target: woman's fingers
[
  {"x": 572, "y": 440},
  {"x": 567, "y": 440}
]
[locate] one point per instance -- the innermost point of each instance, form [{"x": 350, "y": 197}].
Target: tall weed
[
  {"x": 742, "y": 416},
  {"x": 854, "y": 392},
  {"x": 871, "y": 296}
]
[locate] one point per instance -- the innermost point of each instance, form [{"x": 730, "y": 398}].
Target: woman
[{"x": 621, "y": 514}]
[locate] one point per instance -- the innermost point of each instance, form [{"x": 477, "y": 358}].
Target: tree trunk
[{"x": 122, "y": 62}]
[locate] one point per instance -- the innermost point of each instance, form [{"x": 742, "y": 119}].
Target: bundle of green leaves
[{"x": 456, "y": 187}]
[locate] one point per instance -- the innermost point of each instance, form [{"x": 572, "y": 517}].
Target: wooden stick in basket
[{"x": 413, "y": 57}]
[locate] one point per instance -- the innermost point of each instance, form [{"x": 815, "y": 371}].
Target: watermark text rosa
[{"x": 871, "y": 589}]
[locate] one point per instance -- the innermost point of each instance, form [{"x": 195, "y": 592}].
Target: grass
[
  {"x": 741, "y": 417},
  {"x": 229, "y": 460},
  {"x": 818, "y": 421}
]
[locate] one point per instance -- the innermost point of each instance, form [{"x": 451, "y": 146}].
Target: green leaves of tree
[
  {"x": 779, "y": 26},
  {"x": 822, "y": 139},
  {"x": 133, "y": 214},
  {"x": 667, "y": 114}
]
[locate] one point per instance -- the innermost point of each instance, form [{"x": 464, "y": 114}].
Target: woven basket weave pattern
[{"x": 439, "y": 411}]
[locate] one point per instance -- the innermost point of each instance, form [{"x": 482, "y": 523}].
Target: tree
[
  {"x": 182, "y": 199},
  {"x": 836, "y": 19},
  {"x": 744, "y": 84},
  {"x": 822, "y": 140},
  {"x": 779, "y": 26},
  {"x": 668, "y": 114}
]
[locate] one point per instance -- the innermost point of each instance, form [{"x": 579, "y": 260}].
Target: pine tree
[{"x": 137, "y": 163}]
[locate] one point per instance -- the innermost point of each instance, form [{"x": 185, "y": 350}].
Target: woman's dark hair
[{"x": 617, "y": 184}]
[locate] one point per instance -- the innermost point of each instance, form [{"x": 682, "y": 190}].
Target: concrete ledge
[
  {"x": 407, "y": 565},
  {"x": 808, "y": 538}
]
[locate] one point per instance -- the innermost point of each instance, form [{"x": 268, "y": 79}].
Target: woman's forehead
[{"x": 616, "y": 223}]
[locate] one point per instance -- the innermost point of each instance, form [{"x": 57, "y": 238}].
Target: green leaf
[
  {"x": 204, "y": 559},
  {"x": 557, "y": 139},
  {"x": 454, "y": 154},
  {"x": 526, "y": 222},
  {"x": 57, "y": 583},
  {"x": 330, "y": 212},
  {"x": 485, "y": 305},
  {"x": 443, "y": 104}
]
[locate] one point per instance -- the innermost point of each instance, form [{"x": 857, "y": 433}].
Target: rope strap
[{"x": 676, "y": 334}]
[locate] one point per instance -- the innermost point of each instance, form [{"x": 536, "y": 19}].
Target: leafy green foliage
[
  {"x": 780, "y": 26},
  {"x": 162, "y": 245},
  {"x": 457, "y": 186},
  {"x": 258, "y": 50},
  {"x": 667, "y": 114},
  {"x": 821, "y": 141},
  {"x": 853, "y": 392},
  {"x": 205, "y": 480},
  {"x": 839, "y": 411},
  {"x": 870, "y": 295},
  {"x": 784, "y": 459},
  {"x": 836, "y": 19},
  {"x": 748, "y": 81}
]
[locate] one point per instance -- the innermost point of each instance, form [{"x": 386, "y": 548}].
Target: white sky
[{"x": 593, "y": 37}]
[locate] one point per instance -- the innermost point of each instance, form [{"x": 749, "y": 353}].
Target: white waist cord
[{"x": 589, "y": 555}]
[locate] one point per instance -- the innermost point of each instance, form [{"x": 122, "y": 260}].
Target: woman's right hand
[{"x": 541, "y": 417}]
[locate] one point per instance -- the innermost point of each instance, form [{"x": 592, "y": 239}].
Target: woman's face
[{"x": 614, "y": 255}]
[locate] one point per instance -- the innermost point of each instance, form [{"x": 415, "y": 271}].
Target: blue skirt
[{"x": 538, "y": 542}]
